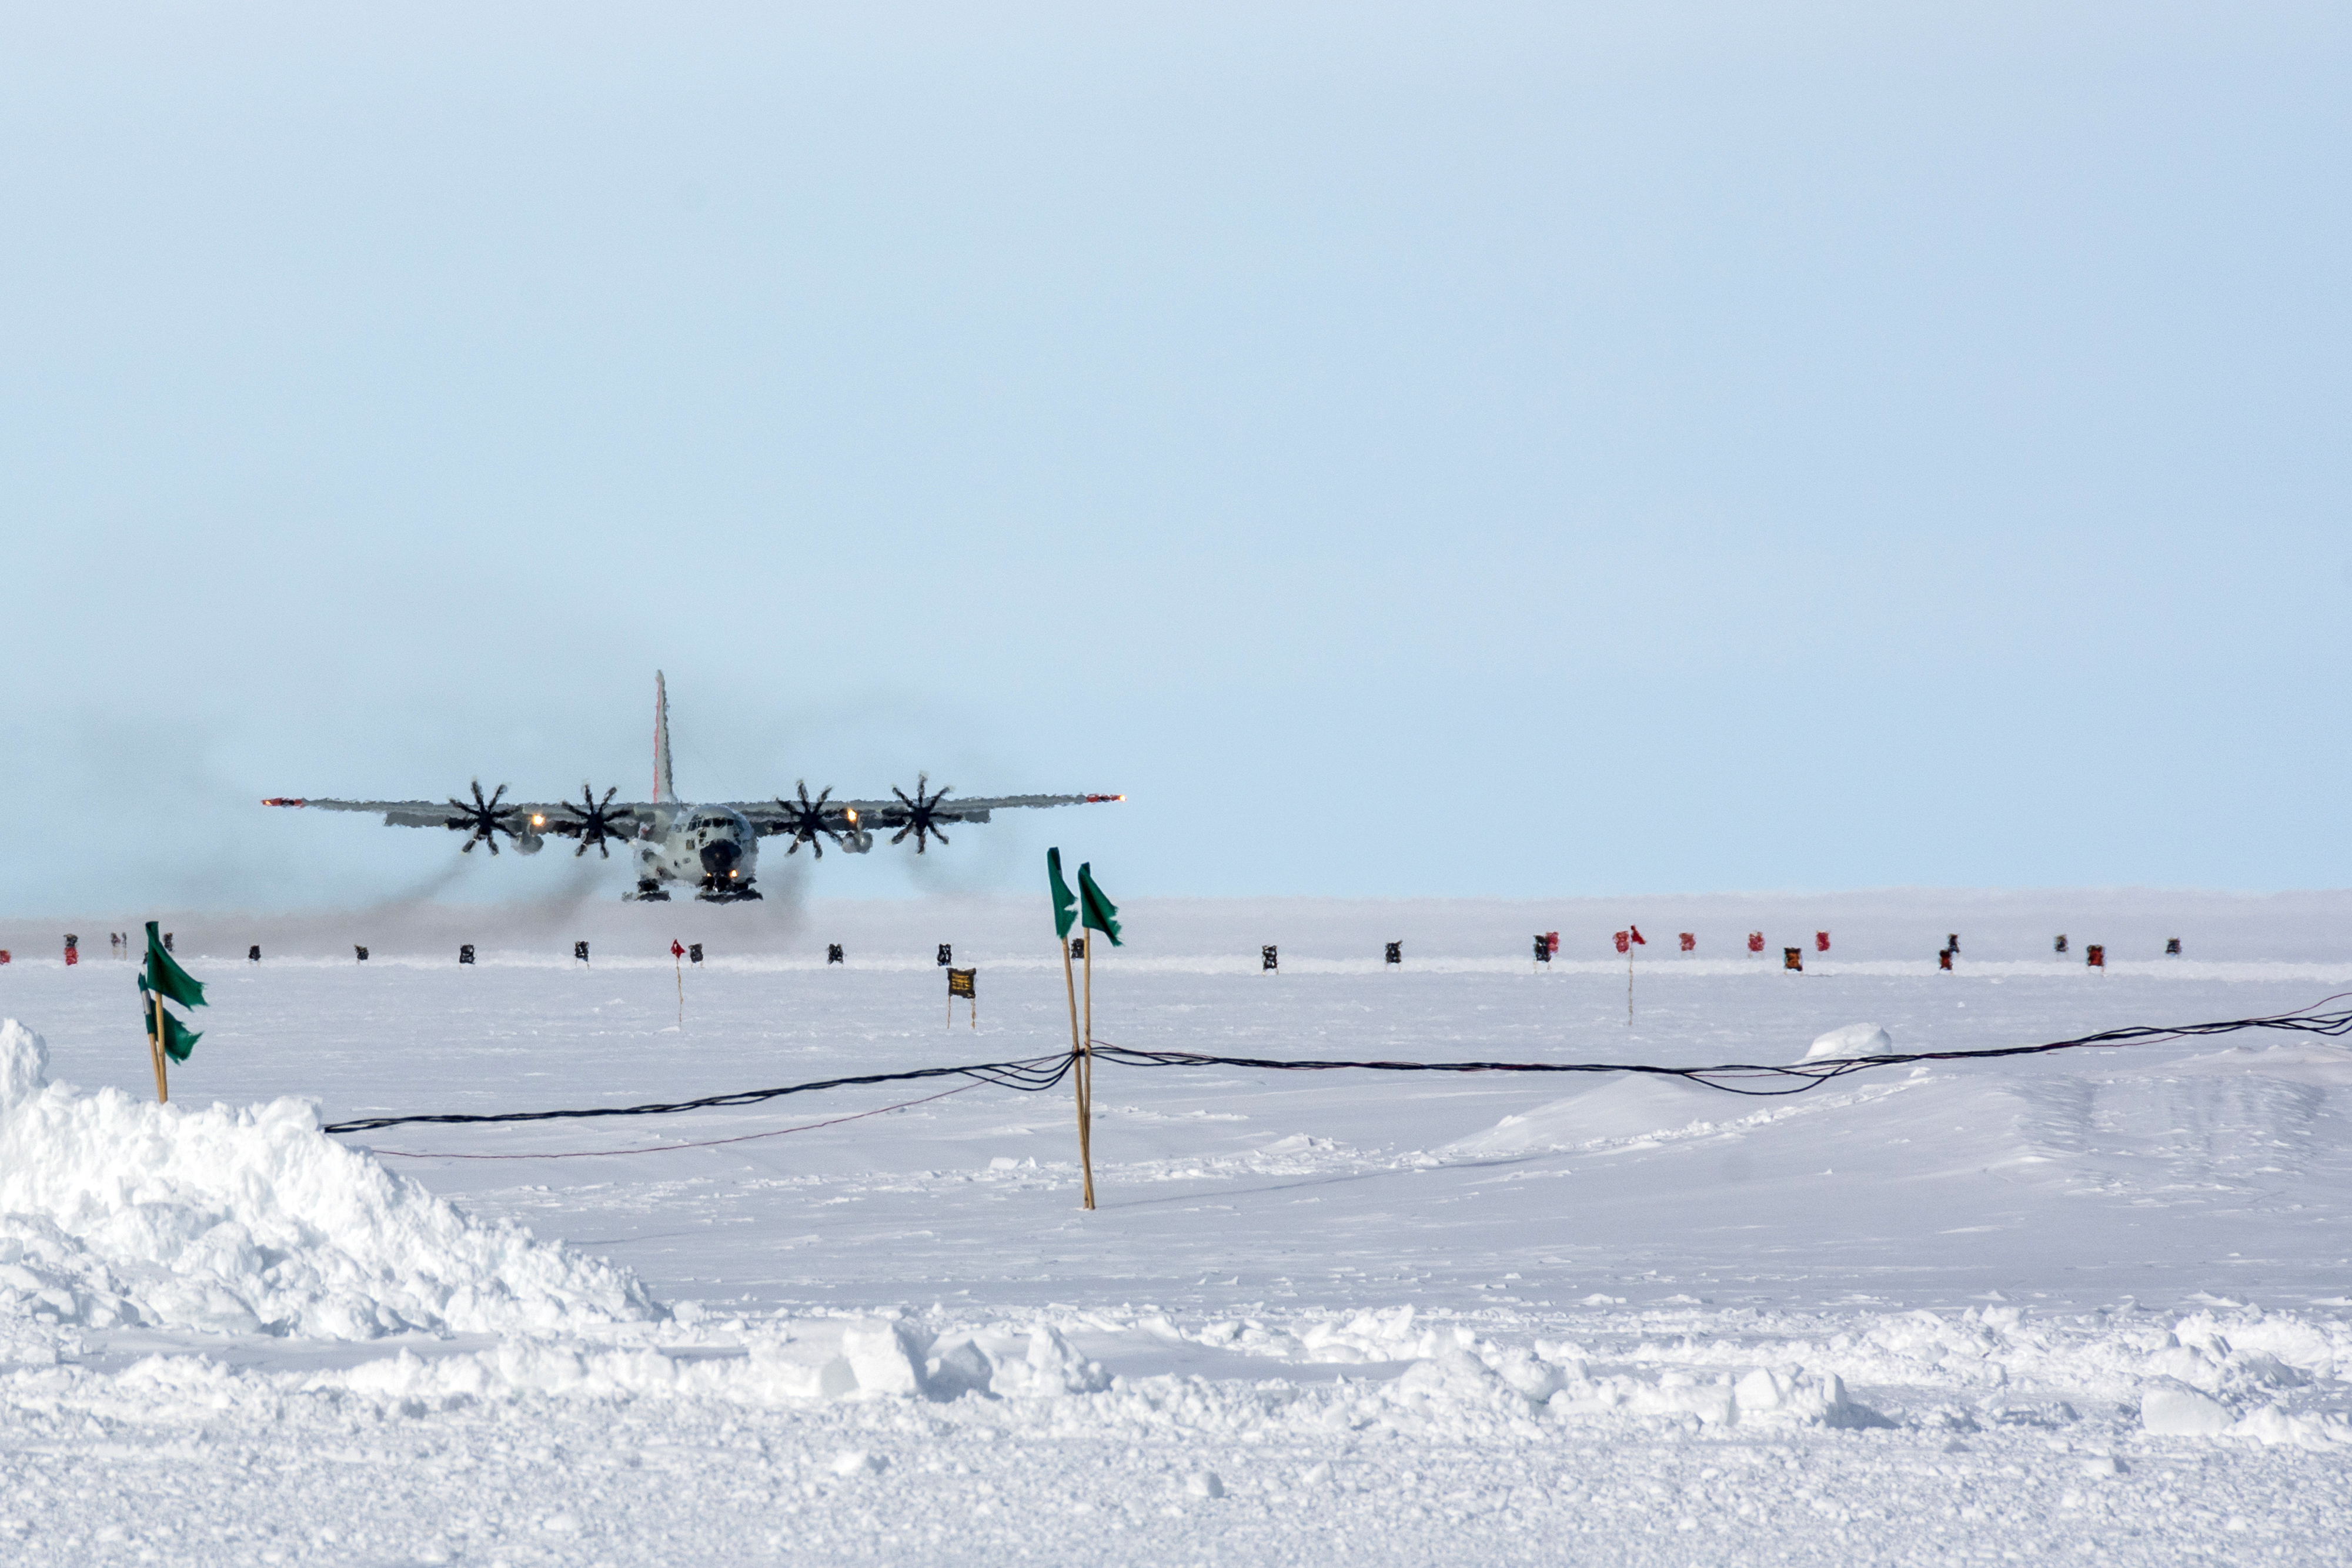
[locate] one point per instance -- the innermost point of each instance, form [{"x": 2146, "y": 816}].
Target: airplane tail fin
[{"x": 665, "y": 787}]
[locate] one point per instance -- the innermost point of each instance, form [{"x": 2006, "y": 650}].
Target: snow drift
[{"x": 250, "y": 1221}]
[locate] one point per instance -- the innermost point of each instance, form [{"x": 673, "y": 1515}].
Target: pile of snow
[
  {"x": 1632, "y": 1106},
  {"x": 116, "y": 1212},
  {"x": 1854, "y": 1040}
]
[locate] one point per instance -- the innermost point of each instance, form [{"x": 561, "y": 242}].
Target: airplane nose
[{"x": 718, "y": 856}]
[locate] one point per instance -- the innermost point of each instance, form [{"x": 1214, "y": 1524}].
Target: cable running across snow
[
  {"x": 1739, "y": 1077},
  {"x": 1029, "y": 1074},
  {"x": 1035, "y": 1074}
]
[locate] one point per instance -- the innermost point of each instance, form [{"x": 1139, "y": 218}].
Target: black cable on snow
[
  {"x": 1030, "y": 1074},
  {"x": 1036, "y": 1073},
  {"x": 1732, "y": 1077}
]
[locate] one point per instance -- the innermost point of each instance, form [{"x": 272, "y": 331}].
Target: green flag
[
  {"x": 179, "y": 1040},
  {"x": 1065, "y": 907},
  {"x": 164, "y": 974},
  {"x": 1101, "y": 913}
]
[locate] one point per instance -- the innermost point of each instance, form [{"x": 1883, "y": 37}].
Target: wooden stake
[{"x": 155, "y": 1050}]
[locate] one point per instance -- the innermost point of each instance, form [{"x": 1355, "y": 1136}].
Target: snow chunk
[
  {"x": 2273, "y": 1425},
  {"x": 1051, "y": 1367},
  {"x": 1854, "y": 1039},
  {"x": 24, "y": 1064},
  {"x": 882, "y": 1357},
  {"x": 2181, "y": 1413},
  {"x": 251, "y": 1221}
]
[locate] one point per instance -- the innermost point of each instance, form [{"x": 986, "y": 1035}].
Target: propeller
[
  {"x": 920, "y": 818},
  {"x": 483, "y": 817},
  {"x": 597, "y": 821},
  {"x": 805, "y": 821}
]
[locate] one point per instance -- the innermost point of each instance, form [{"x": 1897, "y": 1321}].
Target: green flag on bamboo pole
[
  {"x": 1066, "y": 905},
  {"x": 1101, "y": 913},
  {"x": 179, "y": 1040},
  {"x": 164, "y": 976}
]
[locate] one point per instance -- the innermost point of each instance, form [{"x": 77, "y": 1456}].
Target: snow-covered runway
[{"x": 2093, "y": 1306}]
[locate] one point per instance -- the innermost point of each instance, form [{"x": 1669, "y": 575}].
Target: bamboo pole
[
  {"x": 155, "y": 1050},
  {"x": 1086, "y": 1078},
  {"x": 1078, "y": 1064}
]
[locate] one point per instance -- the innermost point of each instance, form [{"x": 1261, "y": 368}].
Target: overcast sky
[{"x": 1512, "y": 449}]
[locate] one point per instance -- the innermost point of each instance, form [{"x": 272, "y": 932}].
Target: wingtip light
[{"x": 284, "y": 800}]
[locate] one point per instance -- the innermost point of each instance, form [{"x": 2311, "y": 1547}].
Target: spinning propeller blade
[
  {"x": 805, "y": 821},
  {"x": 920, "y": 812},
  {"x": 482, "y": 822},
  {"x": 596, "y": 824}
]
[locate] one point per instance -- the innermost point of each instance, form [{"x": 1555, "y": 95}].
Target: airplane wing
[
  {"x": 782, "y": 816},
  {"x": 563, "y": 818}
]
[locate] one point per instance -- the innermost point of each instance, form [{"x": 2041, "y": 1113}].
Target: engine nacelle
[{"x": 857, "y": 842}]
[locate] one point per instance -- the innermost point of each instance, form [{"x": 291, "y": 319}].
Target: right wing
[
  {"x": 397, "y": 814},
  {"x": 564, "y": 817}
]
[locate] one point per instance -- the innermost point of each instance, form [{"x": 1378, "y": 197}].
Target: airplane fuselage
[{"x": 714, "y": 849}]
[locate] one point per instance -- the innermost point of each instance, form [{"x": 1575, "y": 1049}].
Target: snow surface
[{"x": 2093, "y": 1306}]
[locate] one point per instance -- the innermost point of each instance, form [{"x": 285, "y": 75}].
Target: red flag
[
  {"x": 676, "y": 951},
  {"x": 1821, "y": 941},
  {"x": 1756, "y": 941},
  {"x": 1551, "y": 940},
  {"x": 1620, "y": 942},
  {"x": 1637, "y": 935},
  {"x": 1689, "y": 941}
]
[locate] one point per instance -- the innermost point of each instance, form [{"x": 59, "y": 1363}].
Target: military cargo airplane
[{"x": 714, "y": 848}]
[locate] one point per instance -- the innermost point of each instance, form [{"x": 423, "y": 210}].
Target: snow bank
[
  {"x": 114, "y": 1212},
  {"x": 1632, "y": 1106},
  {"x": 780, "y": 1363},
  {"x": 2314, "y": 1061}
]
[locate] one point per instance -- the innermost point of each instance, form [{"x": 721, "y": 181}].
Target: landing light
[
  {"x": 537, "y": 820},
  {"x": 852, "y": 815}
]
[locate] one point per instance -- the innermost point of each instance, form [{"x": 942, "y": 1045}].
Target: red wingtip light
[
  {"x": 1096, "y": 800},
  {"x": 282, "y": 800}
]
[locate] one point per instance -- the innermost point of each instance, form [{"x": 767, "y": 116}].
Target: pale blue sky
[{"x": 1412, "y": 449}]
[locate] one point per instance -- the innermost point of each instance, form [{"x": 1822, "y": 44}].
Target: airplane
[{"x": 715, "y": 848}]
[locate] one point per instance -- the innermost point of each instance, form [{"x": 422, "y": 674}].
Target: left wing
[{"x": 920, "y": 814}]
